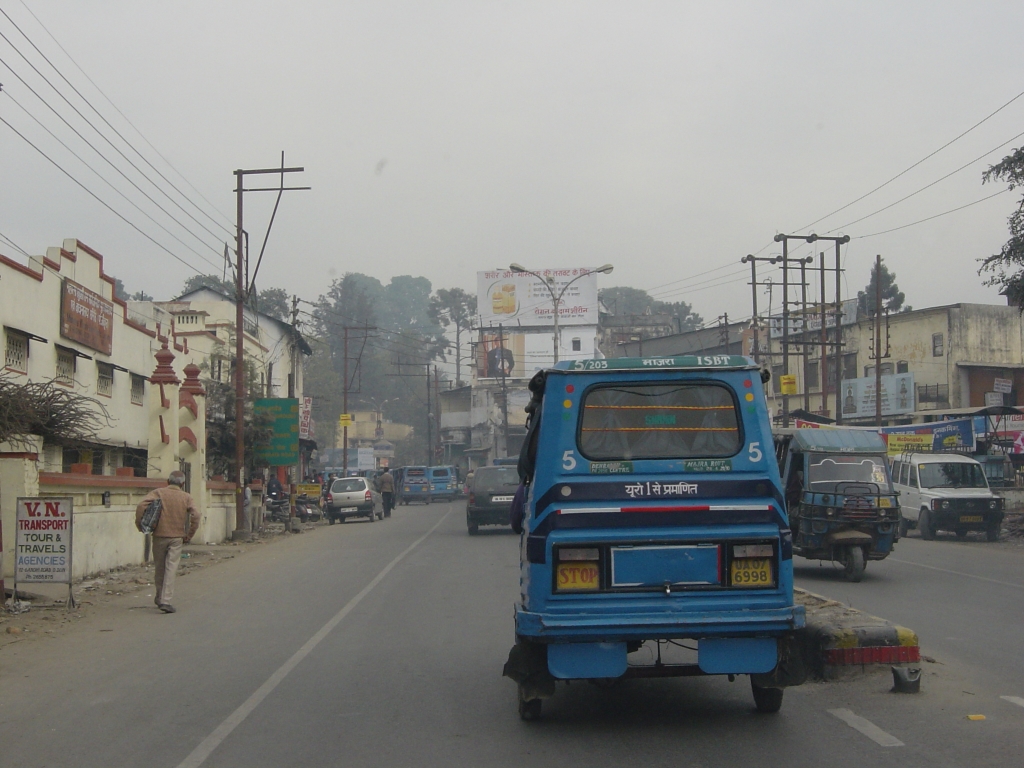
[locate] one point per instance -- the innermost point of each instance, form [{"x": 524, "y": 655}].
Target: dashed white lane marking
[
  {"x": 1013, "y": 700},
  {"x": 958, "y": 573},
  {"x": 206, "y": 746},
  {"x": 866, "y": 727}
]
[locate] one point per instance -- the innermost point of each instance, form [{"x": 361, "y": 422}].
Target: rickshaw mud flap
[{"x": 793, "y": 668}]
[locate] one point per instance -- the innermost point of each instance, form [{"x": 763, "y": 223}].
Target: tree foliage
[
  {"x": 892, "y": 297},
  {"x": 220, "y": 425},
  {"x": 1006, "y": 268},
  {"x": 623, "y": 300},
  {"x": 454, "y": 308},
  {"x": 392, "y": 336}
]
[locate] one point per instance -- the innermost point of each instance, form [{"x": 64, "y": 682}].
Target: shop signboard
[
  {"x": 306, "y": 418},
  {"x": 86, "y": 317},
  {"x": 933, "y": 436},
  {"x": 42, "y": 546},
  {"x": 521, "y": 299},
  {"x": 283, "y": 449},
  {"x": 858, "y": 396}
]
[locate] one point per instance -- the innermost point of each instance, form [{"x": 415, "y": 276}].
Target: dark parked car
[
  {"x": 490, "y": 496},
  {"x": 353, "y": 497}
]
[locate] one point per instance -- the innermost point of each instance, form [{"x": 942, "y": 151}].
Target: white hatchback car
[
  {"x": 353, "y": 497},
  {"x": 945, "y": 492}
]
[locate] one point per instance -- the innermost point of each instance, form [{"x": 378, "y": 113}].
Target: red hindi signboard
[{"x": 86, "y": 317}]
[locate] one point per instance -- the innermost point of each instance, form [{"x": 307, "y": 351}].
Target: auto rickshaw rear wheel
[
  {"x": 767, "y": 700},
  {"x": 529, "y": 709},
  {"x": 960, "y": 533},
  {"x": 904, "y": 527},
  {"x": 854, "y": 564}
]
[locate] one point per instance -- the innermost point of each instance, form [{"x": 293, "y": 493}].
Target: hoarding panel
[{"x": 520, "y": 299}]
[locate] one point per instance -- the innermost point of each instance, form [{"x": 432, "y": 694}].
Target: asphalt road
[{"x": 382, "y": 645}]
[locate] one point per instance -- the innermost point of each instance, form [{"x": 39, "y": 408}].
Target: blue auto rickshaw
[
  {"x": 654, "y": 514},
  {"x": 415, "y": 485},
  {"x": 443, "y": 483},
  {"x": 840, "y": 498}
]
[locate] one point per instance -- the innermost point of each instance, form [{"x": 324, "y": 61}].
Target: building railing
[{"x": 933, "y": 393}]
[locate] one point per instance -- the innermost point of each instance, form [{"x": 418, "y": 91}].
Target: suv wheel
[
  {"x": 992, "y": 532},
  {"x": 904, "y": 527},
  {"x": 924, "y": 525}
]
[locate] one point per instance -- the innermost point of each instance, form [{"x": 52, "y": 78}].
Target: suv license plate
[
  {"x": 971, "y": 518},
  {"x": 751, "y": 572},
  {"x": 499, "y": 499}
]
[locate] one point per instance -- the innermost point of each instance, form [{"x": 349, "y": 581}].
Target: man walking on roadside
[
  {"x": 386, "y": 484},
  {"x": 178, "y": 523}
]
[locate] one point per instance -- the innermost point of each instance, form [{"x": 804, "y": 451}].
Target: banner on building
[
  {"x": 858, "y": 396},
  {"x": 42, "y": 545},
  {"x": 933, "y": 436},
  {"x": 283, "y": 449},
  {"x": 518, "y": 298},
  {"x": 364, "y": 459},
  {"x": 86, "y": 317},
  {"x": 521, "y": 355},
  {"x": 306, "y": 419}
]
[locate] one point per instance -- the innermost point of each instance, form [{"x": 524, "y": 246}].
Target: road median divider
[{"x": 840, "y": 642}]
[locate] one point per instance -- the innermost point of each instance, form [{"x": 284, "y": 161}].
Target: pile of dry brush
[{"x": 55, "y": 413}]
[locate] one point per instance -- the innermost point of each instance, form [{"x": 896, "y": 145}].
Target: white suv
[{"x": 945, "y": 492}]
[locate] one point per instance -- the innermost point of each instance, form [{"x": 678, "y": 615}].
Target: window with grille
[
  {"x": 138, "y": 389},
  {"x": 937, "y": 345},
  {"x": 104, "y": 379},
  {"x": 65, "y": 368},
  {"x": 813, "y": 377},
  {"x": 16, "y": 355},
  {"x": 903, "y": 366}
]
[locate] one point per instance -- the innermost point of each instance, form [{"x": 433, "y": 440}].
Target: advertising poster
[
  {"x": 42, "y": 546},
  {"x": 897, "y": 396},
  {"x": 518, "y": 298},
  {"x": 934, "y": 436},
  {"x": 306, "y": 419}
]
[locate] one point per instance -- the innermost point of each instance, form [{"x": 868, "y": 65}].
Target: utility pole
[
  {"x": 723, "y": 337},
  {"x": 344, "y": 407},
  {"x": 878, "y": 353},
  {"x": 430, "y": 438},
  {"x": 437, "y": 412},
  {"x": 803, "y": 334},
  {"x": 755, "y": 320},
  {"x": 504, "y": 389},
  {"x": 241, "y": 291},
  {"x": 823, "y": 337}
]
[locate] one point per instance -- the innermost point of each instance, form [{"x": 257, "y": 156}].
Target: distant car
[
  {"x": 353, "y": 497},
  {"x": 490, "y": 496}
]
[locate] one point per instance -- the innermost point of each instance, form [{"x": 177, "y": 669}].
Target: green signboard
[{"x": 283, "y": 450}]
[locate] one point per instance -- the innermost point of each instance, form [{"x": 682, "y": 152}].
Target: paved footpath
[{"x": 382, "y": 645}]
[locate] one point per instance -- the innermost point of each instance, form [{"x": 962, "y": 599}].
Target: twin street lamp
[{"x": 556, "y": 299}]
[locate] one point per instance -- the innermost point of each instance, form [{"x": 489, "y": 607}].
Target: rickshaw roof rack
[
  {"x": 837, "y": 440},
  {"x": 949, "y": 450},
  {"x": 677, "y": 363}
]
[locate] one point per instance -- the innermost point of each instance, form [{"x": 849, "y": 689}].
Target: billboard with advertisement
[
  {"x": 858, "y": 396},
  {"x": 934, "y": 436},
  {"x": 520, "y": 299},
  {"x": 523, "y": 354}
]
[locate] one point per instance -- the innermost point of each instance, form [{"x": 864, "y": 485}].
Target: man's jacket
[
  {"x": 179, "y": 519},
  {"x": 386, "y": 483}
]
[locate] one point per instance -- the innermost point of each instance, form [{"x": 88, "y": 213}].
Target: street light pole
[{"x": 556, "y": 300}]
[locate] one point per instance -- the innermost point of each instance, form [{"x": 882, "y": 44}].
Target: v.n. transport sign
[{"x": 42, "y": 546}]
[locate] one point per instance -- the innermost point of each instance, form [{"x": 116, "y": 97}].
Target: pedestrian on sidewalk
[
  {"x": 179, "y": 521},
  {"x": 386, "y": 484}
]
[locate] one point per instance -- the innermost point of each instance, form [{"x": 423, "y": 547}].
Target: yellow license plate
[
  {"x": 971, "y": 518},
  {"x": 885, "y": 502},
  {"x": 751, "y": 572},
  {"x": 577, "y": 576}
]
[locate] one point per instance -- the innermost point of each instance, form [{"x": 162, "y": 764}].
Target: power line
[
  {"x": 100, "y": 134},
  {"x": 927, "y": 186},
  {"x": 101, "y": 201},
  {"x": 105, "y": 180},
  {"x": 84, "y": 98},
  {"x": 944, "y": 213},
  {"x": 926, "y": 157}
]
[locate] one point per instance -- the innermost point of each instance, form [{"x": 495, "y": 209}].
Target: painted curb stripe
[{"x": 1013, "y": 700}]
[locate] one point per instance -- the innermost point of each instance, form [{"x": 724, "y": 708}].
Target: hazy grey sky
[{"x": 440, "y": 138}]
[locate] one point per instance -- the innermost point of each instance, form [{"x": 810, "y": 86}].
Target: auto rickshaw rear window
[{"x": 659, "y": 421}]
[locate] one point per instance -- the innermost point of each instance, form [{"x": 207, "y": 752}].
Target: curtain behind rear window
[{"x": 659, "y": 421}]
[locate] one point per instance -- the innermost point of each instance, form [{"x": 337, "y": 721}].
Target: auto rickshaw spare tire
[
  {"x": 530, "y": 710},
  {"x": 767, "y": 700},
  {"x": 854, "y": 564},
  {"x": 924, "y": 525}
]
